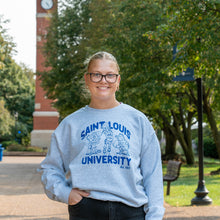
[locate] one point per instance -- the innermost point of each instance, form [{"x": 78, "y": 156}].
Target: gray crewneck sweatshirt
[{"x": 111, "y": 153}]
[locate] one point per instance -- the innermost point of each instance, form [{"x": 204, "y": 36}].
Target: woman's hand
[{"x": 76, "y": 196}]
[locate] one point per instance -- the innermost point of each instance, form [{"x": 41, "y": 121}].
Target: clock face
[{"x": 46, "y": 4}]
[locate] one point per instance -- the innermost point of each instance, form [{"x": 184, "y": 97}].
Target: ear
[
  {"x": 86, "y": 79},
  {"x": 119, "y": 80}
]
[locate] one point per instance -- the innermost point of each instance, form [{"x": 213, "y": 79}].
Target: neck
[{"x": 104, "y": 105}]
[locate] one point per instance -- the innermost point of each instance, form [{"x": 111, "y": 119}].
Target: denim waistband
[{"x": 91, "y": 209}]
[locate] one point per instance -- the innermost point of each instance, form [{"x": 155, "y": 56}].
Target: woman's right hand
[{"x": 76, "y": 196}]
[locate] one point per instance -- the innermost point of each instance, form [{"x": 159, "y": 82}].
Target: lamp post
[{"x": 201, "y": 191}]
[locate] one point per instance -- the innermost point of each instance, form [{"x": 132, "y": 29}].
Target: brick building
[{"x": 45, "y": 117}]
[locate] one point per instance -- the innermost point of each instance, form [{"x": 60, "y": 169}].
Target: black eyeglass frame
[{"x": 104, "y": 77}]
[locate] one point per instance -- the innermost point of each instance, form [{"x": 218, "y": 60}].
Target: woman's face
[{"x": 102, "y": 91}]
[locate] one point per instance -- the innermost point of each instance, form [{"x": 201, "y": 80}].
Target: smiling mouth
[{"x": 102, "y": 87}]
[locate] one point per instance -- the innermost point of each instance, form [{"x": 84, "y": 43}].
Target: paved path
[
  {"x": 21, "y": 193},
  {"x": 22, "y": 196},
  {"x": 195, "y": 213}
]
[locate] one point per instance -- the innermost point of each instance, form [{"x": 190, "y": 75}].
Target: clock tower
[{"x": 45, "y": 117}]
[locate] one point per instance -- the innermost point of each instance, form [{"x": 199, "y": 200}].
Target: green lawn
[{"x": 182, "y": 190}]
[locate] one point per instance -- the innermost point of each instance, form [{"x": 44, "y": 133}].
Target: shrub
[
  {"x": 210, "y": 148},
  {"x": 26, "y": 140},
  {"x": 5, "y": 144},
  {"x": 19, "y": 147},
  {"x": 16, "y": 147}
]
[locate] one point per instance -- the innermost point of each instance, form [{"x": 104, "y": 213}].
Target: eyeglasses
[{"x": 97, "y": 77}]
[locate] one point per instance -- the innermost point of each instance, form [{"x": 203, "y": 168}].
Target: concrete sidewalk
[
  {"x": 22, "y": 196},
  {"x": 21, "y": 193}
]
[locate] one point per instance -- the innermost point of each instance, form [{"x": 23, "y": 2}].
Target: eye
[
  {"x": 96, "y": 74},
  {"x": 110, "y": 75}
]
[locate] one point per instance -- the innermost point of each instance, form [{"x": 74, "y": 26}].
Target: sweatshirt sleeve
[
  {"x": 151, "y": 168},
  {"x": 53, "y": 174}
]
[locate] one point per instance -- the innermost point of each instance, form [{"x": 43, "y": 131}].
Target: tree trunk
[
  {"x": 187, "y": 149},
  {"x": 213, "y": 126},
  {"x": 184, "y": 136},
  {"x": 210, "y": 116},
  {"x": 170, "y": 142}
]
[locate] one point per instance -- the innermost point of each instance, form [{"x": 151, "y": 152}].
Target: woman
[{"x": 109, "y": 151}]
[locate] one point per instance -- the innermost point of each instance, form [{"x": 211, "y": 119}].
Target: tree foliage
[
  {"x": 16, "y": 88},
  {"x": 194, "y": 27},
  {"x": 6, "y": 121},
  {"x": 141, "y": 34},
  {"x": 65, "y": 56},
  {"x": 144, "y": 84}
]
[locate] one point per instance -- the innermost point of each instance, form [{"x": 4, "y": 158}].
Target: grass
[{"x": 182, "y": 190}]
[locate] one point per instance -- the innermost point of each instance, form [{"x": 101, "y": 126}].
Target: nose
[{"x": 103, "y": 78}]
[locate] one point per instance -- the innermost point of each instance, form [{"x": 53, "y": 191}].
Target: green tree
[
  {"x": 16, "y": 85},
  {"x": 141, "y": 35},
  {"x": 142, "y": 60},
  {"x": 194, "y": 26},
  {"x": 6, "y": 121},
  {"x": 65, "y": 55},
  {"x": 18, "y": 93}
]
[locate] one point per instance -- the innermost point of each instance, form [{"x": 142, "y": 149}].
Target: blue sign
[{"x": 187, "y": 75}]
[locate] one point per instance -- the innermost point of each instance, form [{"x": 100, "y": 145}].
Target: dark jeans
[{"x": 91, "y": 209}]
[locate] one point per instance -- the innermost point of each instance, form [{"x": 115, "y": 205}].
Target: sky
[{"x": 22, "y": 28}]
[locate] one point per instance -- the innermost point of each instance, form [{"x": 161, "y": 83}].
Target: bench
[{"x": 172, "y": 174}]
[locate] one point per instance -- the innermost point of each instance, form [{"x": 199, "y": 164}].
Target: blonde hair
[{"x": 101, "y": 55}]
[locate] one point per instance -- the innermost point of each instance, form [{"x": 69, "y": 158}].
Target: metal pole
[
  {"x": 200, "y": 129},
  {"x": 201, "y": 191}
]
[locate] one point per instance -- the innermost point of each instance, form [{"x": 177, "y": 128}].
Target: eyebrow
[{"x": 102, "y": 73}]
